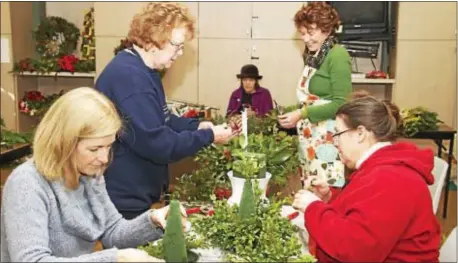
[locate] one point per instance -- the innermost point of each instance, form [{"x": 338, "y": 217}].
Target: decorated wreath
[
  {"x": 56, "y": 42},
  {"x": 55, "y": 37}
]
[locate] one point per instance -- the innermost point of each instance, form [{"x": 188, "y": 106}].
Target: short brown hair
[
  {"x": 323, "y": 15},
  {"x": 155, "y": 23},
  {"x": 379, "y": 116}
]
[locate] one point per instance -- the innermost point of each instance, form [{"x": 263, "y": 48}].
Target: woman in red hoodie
[{"x": 384, "y": 213}]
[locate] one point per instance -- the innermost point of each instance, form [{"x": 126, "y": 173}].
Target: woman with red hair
[{"x": 323, "y": 87}]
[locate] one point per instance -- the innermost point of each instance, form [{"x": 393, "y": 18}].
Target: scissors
[{"x": 279, "y": 110}]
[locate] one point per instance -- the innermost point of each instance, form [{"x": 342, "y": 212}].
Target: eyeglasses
[
  {"x": 178, "y": 47},
  {"x": 336, "y": 135}
]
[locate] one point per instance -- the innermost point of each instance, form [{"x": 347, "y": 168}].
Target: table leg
[
  {"x": 439, "y": 148},
  {"x": 447, "y": 177}
]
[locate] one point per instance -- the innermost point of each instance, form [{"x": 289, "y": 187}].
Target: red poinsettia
[
  {"x": 67, "y": 63},
  {"x": 34, "y": 95},
  {"x": 222, "y": 193},
  {"x": 192, "y": 113}
]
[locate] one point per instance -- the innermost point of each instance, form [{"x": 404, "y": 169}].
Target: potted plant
[{"x": 248, "y": 166}]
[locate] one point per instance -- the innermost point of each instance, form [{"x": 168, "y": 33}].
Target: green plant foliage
[
  {"x": 55, "y": 37},
  {"x": 263, "y": 237},
  {"x": 418, "y": 119},
  {"x": 249, "y": 165},
  {"x": 9, "y": 138}
]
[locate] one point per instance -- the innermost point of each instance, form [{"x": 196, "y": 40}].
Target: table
[
  {"x": 18, "y": 151},
  {"x": 443, "y": 133}
]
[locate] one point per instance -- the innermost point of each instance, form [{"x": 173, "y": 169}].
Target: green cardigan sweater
[{"x": 331, "y": 82}]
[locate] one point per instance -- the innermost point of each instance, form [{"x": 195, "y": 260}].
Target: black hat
[{"x": 249, "y": 71}]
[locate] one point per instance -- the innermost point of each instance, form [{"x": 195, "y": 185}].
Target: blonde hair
[
  {"x": 79, "y": 114},
  {"x": 155, "y": 23}
]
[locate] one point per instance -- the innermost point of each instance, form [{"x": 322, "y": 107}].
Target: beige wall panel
[
  {"x": 114, "y": 18},
  {"x": 225, "y": 19},
  {"x": 275, "y": 20},
  {"x": 72, "y": 11},
  {"x": 426, "y": 76},
  {"x": 427, "y": 20},
  {"x": 105, "y": 51},
  {"x": 280, "y": 62},
  {"x": 5, "y": 18},
  {"x": 220, "y": 61},
  {"x": 21, "y": 27},
  {"x": 7, "y": 94},
  {"x": 180, "y": 81}
]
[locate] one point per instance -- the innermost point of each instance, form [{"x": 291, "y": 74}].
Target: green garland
[
  {"x": 56, "y": 37},
  {"x": 9, "y": 138}
]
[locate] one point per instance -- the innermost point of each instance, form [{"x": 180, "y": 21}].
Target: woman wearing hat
[{"x": 250, "y": 95}]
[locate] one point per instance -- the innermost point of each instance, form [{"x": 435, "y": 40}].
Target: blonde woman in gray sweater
[{"x": 55, "y": 205}]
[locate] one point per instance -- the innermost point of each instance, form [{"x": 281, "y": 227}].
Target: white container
[{"x": 237, "y": 187}]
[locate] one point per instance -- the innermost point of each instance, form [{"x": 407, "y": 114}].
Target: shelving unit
[
  {"x": 48, "y": 83},
  {"x": 59, "y": 74}
]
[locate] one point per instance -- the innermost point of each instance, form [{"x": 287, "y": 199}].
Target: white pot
[{"x": 237, "y": 187}]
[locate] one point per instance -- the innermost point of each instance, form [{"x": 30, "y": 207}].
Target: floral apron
[{"x": 318, "y": 156}]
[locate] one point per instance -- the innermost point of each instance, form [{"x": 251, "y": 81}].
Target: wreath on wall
[
  {"x": 56, "y": 42},
  {"x": 56, "y": 37}
]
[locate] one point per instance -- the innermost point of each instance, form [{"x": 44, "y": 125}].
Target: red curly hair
[
  {"x": 155, "y": 24},
  {"x": 323, "y": 15}
]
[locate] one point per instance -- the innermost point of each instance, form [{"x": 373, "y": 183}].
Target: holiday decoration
[
  {"x": 174, "y": 241},
  {"x": 88, "y": 36},
  {"x": 56, "y": 42},
  {"x": 34, "y": 103},
  {"x": 55, "y": 37},
  {"x": 248, "y": 203}
]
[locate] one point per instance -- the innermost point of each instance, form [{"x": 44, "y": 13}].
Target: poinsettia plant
[{"x": 36, "y": 103}]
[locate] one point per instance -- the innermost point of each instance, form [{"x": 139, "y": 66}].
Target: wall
[
  {"x": 426, "y": 58},
  {"x": 8, "y": 102},
  {"x": 425, "y": 55}
]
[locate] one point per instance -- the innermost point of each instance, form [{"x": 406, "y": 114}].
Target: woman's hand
[
  {"x": 320, "y": 188},
  {"x": 222, "y": 134},
  {"x": 290, "y": 119},
  {"x": 135, "y": 255},
  {"x": 159, "y": 216},
  {"x": 205, "y": 125},
  {"x": 303, "y": 199},
  {"x": 235, "y": 122}
]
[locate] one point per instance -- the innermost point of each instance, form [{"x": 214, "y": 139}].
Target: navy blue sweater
[{"x": 152, "y": 137}]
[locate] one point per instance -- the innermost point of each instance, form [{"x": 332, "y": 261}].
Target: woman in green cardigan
[{"x": 323, "y": 87}]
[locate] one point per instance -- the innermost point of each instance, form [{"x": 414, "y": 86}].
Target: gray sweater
[{"x": 42, "y": 221}]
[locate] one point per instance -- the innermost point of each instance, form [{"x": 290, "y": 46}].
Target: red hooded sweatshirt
[{"x": 384, "y": 214}]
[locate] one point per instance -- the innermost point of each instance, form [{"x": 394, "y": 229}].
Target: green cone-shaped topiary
[
  {"x": 248, "y": 202},
  {"x": 174, "y": 241}
]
